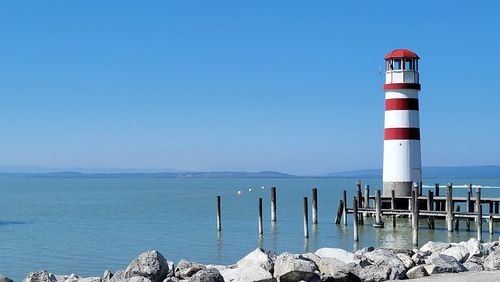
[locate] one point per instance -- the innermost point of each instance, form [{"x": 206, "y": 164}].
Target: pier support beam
[
  {"x": 430, "y": 207},
  {"x": 315, "y": 205},
  {"x": 306, "y": 219},
  {"x": 415, "y": 217},
  {"x": 219, "y": 223},
  {"x": 449, "y": 207},
  {"x": 355, "y": 218},
  {"x": 479, "y": 217},
  {"x": 261, "y": 230},
  {"x": 273, "y": 204},
  {"x": 344, "y": 198},
  {"x": 366, "y": 203},
  {"x": 378, "y": 211},
  {"x": 360, "y": 202},
  {"x": 393, "y": 206}
]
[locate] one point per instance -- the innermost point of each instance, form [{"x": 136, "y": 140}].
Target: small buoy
[
  {"x": 262, "y": 187},
  {"x": 239, "y": 192},
  {"x": 249, "y": 189}
]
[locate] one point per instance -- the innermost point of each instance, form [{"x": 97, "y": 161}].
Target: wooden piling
[
  {"x": 456, "y": 219},
  {"x": 273, "y": 204},
  {"x": 496, "y": 207},
  {"x": 219, "y": 223},
  {"x": 415, "y": 218},
  {"x": 490, "y": 223},
  {"x": 306, "y": 219},
  {"x": 420, "y": 191},
  {"x": 360, "y": 202},
  {"x": 378, "y": 211},
  {"x": 430, "y": 207},
  {"x": 344, "y": 213},
  {"x": 339, "y": 212},
  {"x": 436, "y": 194},
  {"x": 470, "y": 204},
  {"x": 260, "y": 217},
  {"x": 393, "y": 206},
  {"x": 355, "y": 218},
  {"x": 491, "y": 207},
  {"x": 449, "y": 207},
  {"x": 479, "y": 217},
  {"x": 315, "y": 205},
  {"x": 366, "y": 203}
]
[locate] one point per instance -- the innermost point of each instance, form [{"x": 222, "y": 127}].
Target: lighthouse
[{"x": 402, "y": 159}]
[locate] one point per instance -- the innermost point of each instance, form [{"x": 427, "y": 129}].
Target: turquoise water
[{"x": 88, "y": 225}]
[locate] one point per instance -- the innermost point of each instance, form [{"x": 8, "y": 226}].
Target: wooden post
[
  {"x": 393, "y": 207},
  {"x": 420, "y": 188},
  {"x": 436, "y": 194},
  {"x": 360, "y": 202},
  {"x": 306, "y": 219},
  {"x": 490, "y": 223},
  {"x": 430, "y": 207},
  {"x": 415, "y": 217},
  {"x": 344, "y": 198},
  {"x": 496, "y": 207},
  {"x": 378, "y": 211},
  {"x": 273, "y": 204},
  {"x": 355, "y": 218},
  {"x": 456, "y": 219},
  {"x": 219, "y": 223},
  {"x": 449, "y": 207},
  {"x": 491, "y": 207},
  {"x": 339, "y": 212},
  {"x": 315, "y": 205},
  {"x": 470, "y": 204},
  {"x": 479, "y": 211},
  {"x": 367, "y": 200},
  {"x": 260, "y": 217}
]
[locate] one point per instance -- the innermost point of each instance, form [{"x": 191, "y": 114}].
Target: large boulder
[
  {"x": 444, "y": 263},
  {"x": 137, "y": 279},
  {"x": 384, "y": 257},
  {"x": 106, "y": 276},
  {"x": 5, "y": 279},
  {"x": 207, "y": 275},
  {"x": 186, "y": 269},
  {"x": 434, "y": 247},
  {"x": 258, "y": 257},
  {"x": 406, "y": 259},
  {"x": 246, "y": 274},
  {"x": 473, "y": 246},
  {"x": 492, "y": 261},
  {"x": 473, "y": 266},
  {"x": 118, "y": 276},
  {"x": 375, "y": 273},
  {"x": 343, "y": 255},
  {"x": 150, "y": 264},
  {"x": 460, "y": 253},
  {"x": 41, "y": 276},
  {"x": 417, "y": 272},
  {"x": 334, "y": 269},
  {"x": 289, "y": 267}
]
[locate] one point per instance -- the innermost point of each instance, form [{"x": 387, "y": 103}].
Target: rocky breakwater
[{"x": 326, "y": 264}]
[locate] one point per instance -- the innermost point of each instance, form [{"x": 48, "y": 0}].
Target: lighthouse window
[
  {"x": 408, "y": 64},
  {"x": 397, "y": 64}
]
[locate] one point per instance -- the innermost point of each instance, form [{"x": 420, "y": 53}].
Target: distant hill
[
  {"x": 490, "y": 171},
  {"x": 216, "y": 174}
]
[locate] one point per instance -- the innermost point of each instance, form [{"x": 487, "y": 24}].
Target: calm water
[{"x": 88, "y": 225}]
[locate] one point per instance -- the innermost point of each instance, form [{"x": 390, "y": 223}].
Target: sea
[{"x": 88, "y": 225}]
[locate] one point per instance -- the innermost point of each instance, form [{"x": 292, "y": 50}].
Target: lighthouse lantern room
[{"x": 402, "y": 161}]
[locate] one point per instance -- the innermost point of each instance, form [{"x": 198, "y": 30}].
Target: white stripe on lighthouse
[
  {"x": 401, "y": 93},
  {"x": 401, "y": 118}
]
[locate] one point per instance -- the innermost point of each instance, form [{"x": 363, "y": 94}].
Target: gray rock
[
  {"x": 360, "y": 253},
  {"x": 171, "y": 279},
  {"x": 472, "y": 266},
  {"x": 487, "y": 248},
  {"x": 434, "y": 247},
  {"x": 246, "y": 274},
  {"x": 41, "y": 276},
  {"x": 106, "y": 276},
  {"x": 137, "y": 279},
  {"x": 258, "y": 257},
  {"x": 343, "y": 255},
  {"x": 289, "y": 267},
  {"x": 5, "y": 279},
  {"x": 419, "y": 258},
  {"x": 150, "y": 264},
  {"x": 384, "y": 257},
  {"x": 375, "y": 273},
  {"x": 444, "y": 263},
  {"x": 118, "y": 276},
  {"x": 171, "y": 268},
  {"x": 417, "y": 272},
  {"x": 460, "y": 253},
  {"x": 407, "y": 261},
  {"x": 207, "y": 275},
  {"x": 335, "y": 269},
  {"x": 492, "y": 261},
  {"x": 473, "y": 246},
  {"x": 186, "y": 269}
]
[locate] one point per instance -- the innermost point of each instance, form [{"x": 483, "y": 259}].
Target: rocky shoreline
[{"x": 326, "y": 264}]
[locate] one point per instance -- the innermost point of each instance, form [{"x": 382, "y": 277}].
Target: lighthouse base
[{"x": 401, "y": 189}]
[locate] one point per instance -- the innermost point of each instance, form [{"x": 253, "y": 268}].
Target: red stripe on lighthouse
[
  {"x": 393, "y": 86},
  {"x": 401, "y": 104},
  {"x": 402, "y": 134}
]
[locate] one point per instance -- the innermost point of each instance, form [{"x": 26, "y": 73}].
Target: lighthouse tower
[{"x": 402, "y": 163}]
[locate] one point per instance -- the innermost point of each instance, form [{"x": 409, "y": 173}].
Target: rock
[
  {"x": 118, "y": 276},
  {"x": 150, "y": 264},
  {"x": 221, "y": 267},
  {"x": 492, "y": 261},
  {"x": 375, "y": 273},
  {"x": 434, "y": 247},
  {"x": 171, "y": 268},
  {"x": 472, "y": 266},
  {"x": 106, "y": 276},
  {"x": 473, "y": 246},
  {"x": 343, "y": 255},
  {"x": 335, "y": 269},
  {"x": 417, "y": 272},
  {"x": 207, "y": 275},
  {"x": 407, "y": 261},
  {"x": 419, "y": 258},
  {"x": 384, "y": 257},
  {"x": 172, "y": 279},
  {"x": 360, "y": 253},
  {"x": 444, "y": 263},
  {"x": 258, "y": 257},
  {"x": 5, "y": 279},
  {"x": 289, "y": 267},
  {"x": 487, "y": 248},
  {"x": 41, "y": 276},
  {"x": 137, "y": 279},
  {"x": 460, "y": 253},
  {"x": 186, "y": 269},
  {"x": 246, "y": 274}
]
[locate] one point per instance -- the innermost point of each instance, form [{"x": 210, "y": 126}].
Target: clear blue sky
[{"x": 292, "y": 86}]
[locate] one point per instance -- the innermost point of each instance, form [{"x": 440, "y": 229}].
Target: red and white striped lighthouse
[{"x": 402, "y": 160}]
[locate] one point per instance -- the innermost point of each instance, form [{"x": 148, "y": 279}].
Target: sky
[{"x": 291, "y": 86}]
